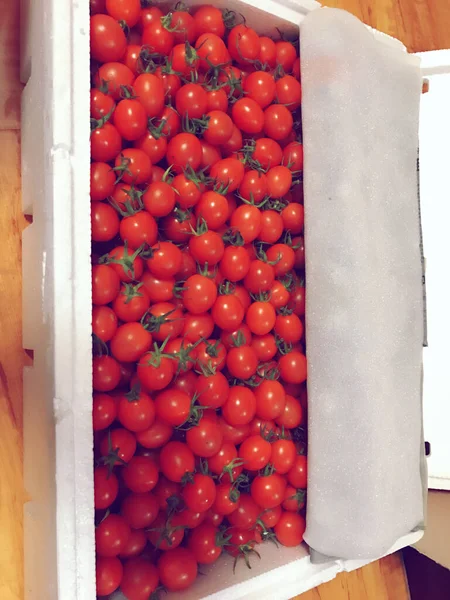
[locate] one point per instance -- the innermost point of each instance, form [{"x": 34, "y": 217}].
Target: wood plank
[{"x": 10, "y": 86}]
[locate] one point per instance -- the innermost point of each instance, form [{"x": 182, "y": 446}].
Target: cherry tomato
[
  {"x": 220, "y": 127},
  {"x": 153, "y": 145},
  {"x": 130, "y": 342},
  {"x": 199, "y": 492},
  {"x": 267, "y": 52},
  {"x": 191, "y": 100},
  {"x": 155, "y": 371},
  {"x": 111, "y": 536},
  {"x": 158, "y": 38},
  {"x": 242, "y": 362},
  {"x": 228, "y": 172},
  {"x": 279, "y": 181},
  {"x": 297, "y": 475},
  {"x": 211, "y": 51},
  {"x": 248, "y": 115},
  {"x": 243, "y": 44},
  {"x": 165, "y": 260},
  {"x": 289, "y": 328},
  {"x": 177, "y": 569},
  {"x": 173, "y": 406},
  {"x": 140, "y": 578},
  {"x": 105, "y": 373},
  {"x": 286, "y": 55},
  {"x": 256, "y": 452},
  {"x": 184, "y": 150},
  {"x": 246, "y": 514},
  {"x": 158, "y": 434},
  {"x": 136, "y": 411},
  {"x": 116, "y": 76},
  {"x": 278, "y": 121},
  {"x": 106, "y": 488},
  {"x": 268, "y": 490},
  {"x": 130, "y": 119},
  {"x": 294, "y": 500},
  {"x": 227, "y": 499},
  {"x": 290, "y": 529},
  {"x": 119, "y": 443},
  {"x": 261, "y": 317},
  {"x": 140, "y": 510},
  {"x": 141, "y": 474},
  {"x": 108, "y": 575},
  {"x": 247, "y": 220},
  {"x": 107, "y": 39},
  {"x": 106, "y": 143},
  {"x": 102, "y": 181},
  {"x": 104, "y": 411},
  {"x": 240, "y": 407},
  {"x": 261, "y": 87},
  {"x": 292, "y": 415},
  {"x": 270, "y": 399},
  {"x": 149, "y": 90},
  {"x": 176, "y": 460},
  {"x": 205, "y": 438},
  {"x": 227, "y": 312},
  {"x": 209, "y": 19}
]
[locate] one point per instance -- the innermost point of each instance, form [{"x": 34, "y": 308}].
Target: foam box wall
[{"x": 59, "y": 532}]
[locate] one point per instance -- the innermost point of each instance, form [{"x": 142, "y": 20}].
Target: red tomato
[
  {"x": 159, "y": 199},
  {"x": 290, "y": 529},
  {"x": 292, "y": 367},
  {"x": 210, "y": 155},
  {"x": 164, "y": 490},
  {"x": 279, "y": 181},
  {"x": 227, "y": 499},
  {"x": 199, "y": 492},
  {"x": 102, "y": 181},
  {"x": 111, "y": 536},
  {"x": 243, "y": 44},
  {"x": 289, "y": 328},
  {"x": 248, "y": 115},
  {"x": 198, "y": 326},
  {"x": 298, "y": 474},
  {"x": 294, "y": 500},
  {"x": 191, "y": 100},
  {"x": 297, "y": 300},
  {"x": 283, "y": 257},
  {"x": 141, "y": 474},
  {"x": 149, "y": 15},
  {"x": 292, "y": 415},
  {"x": 101, "y": 104},
  {"x": 104, "y": 222},
  {"x": 158, "y": 38},
  {"x": 173, "y": 406},
  {"x": 267, "y": 52},
  {"x": 106, "y": 143},
  {"x": 209, "y": 19},
  {"x": 268, "y": 490},
  {"x": 289, "y": 92},
  {"x": 260, "y": 277},
  {"x": 153, "y": 145},
  {"x": 256, "y": 452},
  {"x": 211, "y": 50},
  {"x": 130, "y": 342},
  {"x": 213, "y": 389},
  {"x": 138, "y": 229},
  {"x": 271, "y": 516},
  {"x": 242, "y": 362},
  {"x": 184, "y": 150},
  {"x": 205, "y": 438},
  {"x": 104, "y": 411},
  {"x": 150, "y": 91},
  {"x": 234, "y": 433},
  {"x": 199, "y": 294},
  {"x": 177, "y": 569},
  {"x": 105, "y": 373},
  {"x": 225, "y": 462},
  {"x": 119, "y": 444},
  {"x": 283, "y": 455},
  {"x": 136, "y": 411},
  {"x": 234, "y": 144},
  {"x": 261, "y": 317},
  {"x": 130, "y": 119},
  {"x": 116, "y": 75},
  {"x": 107, "y": 39},
  {"x": 293, "y": 217},
  {"x": 228, "y": 312},
  {"x": 108, "y": 575},
  {"x": 105, "y": 284},
  {"x": 140, "y": 578},
  {"x": 176, "y": 459},
  {"x": 155, "y": 371},
  {"x": 246, "y": 219},
  {"x": 228, "y": 172},
  {"x": 211, "y": 355},
  {"x": 188, "y": 519},
  {"x": 158, "y": 434},
  {"x": 163, "y": 534},
  {"x": 242, "y": 335},
  {"x": 140, "y": 510},
  {"x": 264, "y": 346},
  {"x": 246, "y": 514},
  {"x": 293, "y": 156},
  {"x": 240, "y": 407},
  {"x": 213, "y": 208},
  {"x": 235, "y": 263},
  {"x": 136, "y": 544},
  {"x": 279, "y": 295},
  {"x": 286, "y": 55},
  {"x": 270, "y": 399},
  {"x": 220, "y": 127},
  {"x": 132, "y": 58},
  {"x": 278, "y": 121},
  {"x": 217, "y": 100},
  {"x": 106, "y": 488},
  {"x": 204, "y": 543},
  {"x": 131, "y": 303},
  {"x": 128, "y": 11},
  {"x": 104, "y": 322},
  {"x": 134, "y": 166},
  {"x": 260, "y": 86},
  {"x": 165, "y": 260}
]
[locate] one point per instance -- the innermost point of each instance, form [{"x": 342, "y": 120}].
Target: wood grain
[{"x": 420, "y": 24}]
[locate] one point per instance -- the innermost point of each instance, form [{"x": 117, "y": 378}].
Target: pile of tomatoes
[{"x": 198, "y": 293}]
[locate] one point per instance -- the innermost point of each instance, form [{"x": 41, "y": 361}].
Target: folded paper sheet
[{"x": 364, "y": 288}]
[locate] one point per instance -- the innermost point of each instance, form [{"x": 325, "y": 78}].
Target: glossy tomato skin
[
  {"x": 140, "y": 578},
  {"x": 104, "y": 322},
  {"x": 292, "y": 415},
  {"x": 240, "y": 407},
  {"x": 104, "y": 411},
  {"x": 290, "y": 529},
  {"x": 248, "y": 116},
  {"x": 106, "y": 143},
  {"x": 298, "y": 474},
  {"x": 177, "y": 569},
  {"x": 120, "y": 441},
  {"x": 106, "y": 488},
  {"x": 205, "y": 438},
  {"x": 130, "y": 342},
  {"x": 209, "y": 19},
  {"x": 105, "y": 373},
  {"x": 102, "y": 181},
  {"x": 111, "y": 536},
  {"x": 158, "y": 434},
  {"x": 270, "y": 399},
  {"x": 199, "y": 294},
  {"x": 268, "y": 490},
  {"x": 246, "y": 514},
  {"x": 227, "y": 312},
  {"x": 176, "y": 460},
  {"x": 199, "y": 493},
  {"x": 107, "y": 39},
  {"x": 247, "y": 220},
  {"x": 255, "y": 451},
  {"x": 293, "y": 367},
  {"x": 109, "y": 573},
  {"x": 140, "y": 510},
  {"x": 141, "y": 474}
]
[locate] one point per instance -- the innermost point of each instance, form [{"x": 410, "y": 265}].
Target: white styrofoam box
[
  {"x": 58, "y": 457},
  {"x": 434, "y": 137}
]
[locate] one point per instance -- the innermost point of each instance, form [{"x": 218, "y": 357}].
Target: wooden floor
[{"x": 420, "y": 24}]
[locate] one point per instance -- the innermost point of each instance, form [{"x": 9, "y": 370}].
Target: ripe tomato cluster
[{"x": 198, "y": 293}]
